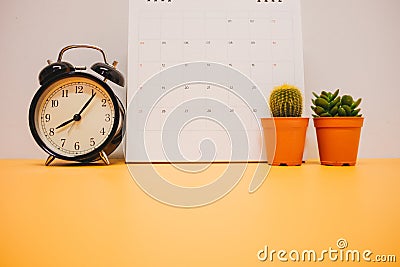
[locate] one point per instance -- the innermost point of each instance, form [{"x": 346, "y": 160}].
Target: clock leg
[
  {"x": 49, "y": 160},
  {"x": 104, "y": 157}
]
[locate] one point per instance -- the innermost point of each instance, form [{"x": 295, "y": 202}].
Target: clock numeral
[
  {"x": 64, "y": 93},
  {"x": 54, "y": 103},
  {"x": 79, "y": 89},
  {"x": 77, "y": 146},
  {"x": 47, "y": 117},
  {"x": 108, "y": 117},
  {"x": 103, "y": 103},
  {"x": 102, "y": 131},
  {"x": 92, "y": 142},
  {"x": 62, "y": 142},
  {"x": 51, "y": 131}
]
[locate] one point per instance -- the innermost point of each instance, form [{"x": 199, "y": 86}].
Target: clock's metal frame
[{"x": 101, "y": 152}]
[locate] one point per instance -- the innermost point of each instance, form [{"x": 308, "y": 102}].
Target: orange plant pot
[
  {"x": 284, "y": 140},
  {"x": 338, "y": 140}
]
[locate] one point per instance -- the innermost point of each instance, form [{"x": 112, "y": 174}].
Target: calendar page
[{"x": 199, "y": 76}]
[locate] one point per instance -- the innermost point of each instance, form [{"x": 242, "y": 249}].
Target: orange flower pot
[
  {"x": 338, "y": 139},
  {"x": 284, "y": 140}
]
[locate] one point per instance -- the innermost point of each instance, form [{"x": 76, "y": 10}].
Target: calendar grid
[
  {"x": 262, "y": 42},
  {"x": 205, "y": 42}
]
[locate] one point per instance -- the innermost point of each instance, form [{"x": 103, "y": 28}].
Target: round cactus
[{"x": 286, "y": 101}]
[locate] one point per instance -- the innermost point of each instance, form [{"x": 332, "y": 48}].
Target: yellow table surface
[{"x": 96, "y": 215}]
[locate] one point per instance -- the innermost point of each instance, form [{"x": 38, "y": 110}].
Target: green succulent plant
[
  {"x": 286, "y": 101},
  {"x": 329, "y": 104}
]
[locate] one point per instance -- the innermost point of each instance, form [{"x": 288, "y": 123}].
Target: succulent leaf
[
  {"x": 319, "y": 110},
  {"x": 334, "y": 102},
  {"x": 347, "y": 100},
  {"x": 332, "y": 105},
  {"x": 335, "y": 94},
  {"x": 322, "y": 102},
  {"x": 356, "y": 104},
  {"x": 325, "y": 97},
  {"x": 347, "y": 109},
  {"x": 355, "y": 112},
  {"x": 334, "y": 111},
  {"x": 342, "y": 112}
]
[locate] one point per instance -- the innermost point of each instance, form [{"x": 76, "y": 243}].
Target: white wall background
[
  {"x": 32, "y": 32},
  {"x": 349, "y": 44},
  {"x": 355, "y": 45}
]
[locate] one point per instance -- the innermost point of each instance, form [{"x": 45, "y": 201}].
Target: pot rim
[
  {"x": 285, "y": 122},
  {"x": 286, "y": 118},
  {"x": 339, "y": 122}
]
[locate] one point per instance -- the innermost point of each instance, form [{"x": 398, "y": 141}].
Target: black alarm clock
[{"x": 75, "y": 115}]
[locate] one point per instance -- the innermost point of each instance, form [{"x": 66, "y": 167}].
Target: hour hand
[
  {"x": 65, "y": 123},
  {"x": 76, "y": 117}
]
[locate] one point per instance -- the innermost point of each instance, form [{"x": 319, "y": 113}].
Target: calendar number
[
  {"x": 155, "y": 1},
  {"x": 269, "y": 1}
]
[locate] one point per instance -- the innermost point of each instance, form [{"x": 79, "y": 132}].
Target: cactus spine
[
  {"x": 329, "y": 104},
  {"x": 286, "y": 101}
]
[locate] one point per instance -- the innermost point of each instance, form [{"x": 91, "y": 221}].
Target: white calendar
[{"x": 200, "y": 72}]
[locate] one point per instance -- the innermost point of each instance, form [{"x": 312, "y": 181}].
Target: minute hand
[{"x": 86, "y": 104}]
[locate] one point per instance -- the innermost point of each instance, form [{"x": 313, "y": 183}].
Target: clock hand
[
  {"x": 65, "y": 123},
  {"x": 86, "y": 104},
  {"x": 77, "y": 117}
]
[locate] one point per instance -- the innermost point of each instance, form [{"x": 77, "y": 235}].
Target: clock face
[{"x": 74, "y": 117}]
